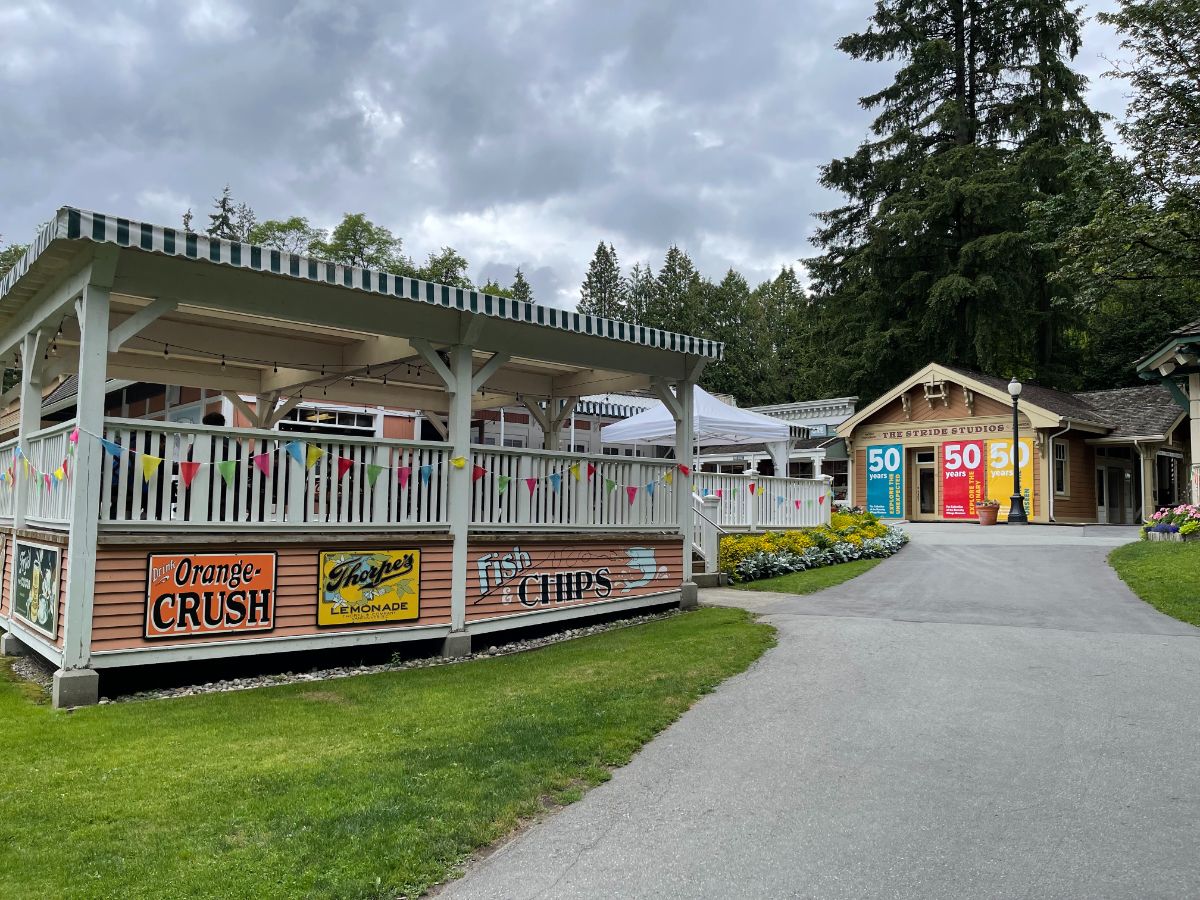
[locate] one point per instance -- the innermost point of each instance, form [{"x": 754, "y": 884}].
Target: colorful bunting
[
  {"x": 459, "y": 462},
  {"x": 650, "y": 489},
  {"x": 719, "y": 493},
  {"x": 187, "y": 471},
  {"x": 478, "y": 472},
  {"x": 685, "y": 469},
  {"x": 591, "y": 470},
  {"x": 311, "y": 457},
  {"x": 631, "y": 492},
  {"x": 343, "y": 466},
  {"x": 425, "y": 473},
  {"x": 502, "y": 483},
  {"x": 797, "y": 504},
  {"x": 821, "y": 499},
  {"x": 262, "y": 462},
  {"x": 574, "y": 468},
  {"x": 404, "y": 473},
  {"x": 46, "y": 482},
  {"x": 779, "y": 500},
  {"x": 373, "y": 473},
  {"x": 150, "y": 465},
  {"x": 752, "y": 487},
  {"x": 109, "y": 447},
  {"x": 531, "y": 483},
  {"x": 555, "y": 481},
  {"x": 75, "y": 436},
  {"x": 670, "y": 477},
  {"x": 296, "y": 450},
  {"x": 609, "y": 484},
  {"x": 227, "y": 468}
]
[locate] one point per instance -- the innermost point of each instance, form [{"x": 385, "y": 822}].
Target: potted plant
[{"x": 987, "y": 510}]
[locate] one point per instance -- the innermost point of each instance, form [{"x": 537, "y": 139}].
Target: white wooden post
[
  {"x": 30, "y": 420},
  {"x": 684, "y": 436},
  {"x": 73, "y": 687},
  {"x": 1194, "y": 425},
  {"x": 459, "y": 484}
]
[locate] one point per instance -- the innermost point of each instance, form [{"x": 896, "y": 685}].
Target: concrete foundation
[
  {"x": 689, "y": 595},
  {"x": 75, "y": 687},
  {"x": 11, "y": 646},
  {"x": 456, "y": 644}
]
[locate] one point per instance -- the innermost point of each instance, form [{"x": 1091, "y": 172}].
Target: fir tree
[
  {"x": 640, "y": 292},
  {"x": 223, "y": 219},
  {"x": 930, "y": 257},
  {"x": 676, "y": 301},
  {"x": 520, "y": 289},
  {"x": 603, "y": 292}
]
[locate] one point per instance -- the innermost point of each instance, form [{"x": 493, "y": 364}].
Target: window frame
[{"x": 1066, "y": 461}]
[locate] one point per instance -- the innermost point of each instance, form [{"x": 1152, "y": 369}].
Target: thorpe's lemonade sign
[
  {"x": 361, "y": 586},
  {"x": 1000, "y": 474},
  {"x": 963, "y": 478},
  {"x": 885, "y": 480},
  {"x": 198, "y": 594}
]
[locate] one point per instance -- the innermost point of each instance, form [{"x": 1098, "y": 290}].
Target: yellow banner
[
  {"x": 1000, "y": 474},
  {"x": 366, "y": 586}
]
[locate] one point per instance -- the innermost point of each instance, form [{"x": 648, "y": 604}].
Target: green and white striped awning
[{"x": 72, "y": 224}]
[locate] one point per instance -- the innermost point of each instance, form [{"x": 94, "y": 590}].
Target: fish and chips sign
[
  {"x": 369, "y": 586},
  {"x": 201, "y": 594}
]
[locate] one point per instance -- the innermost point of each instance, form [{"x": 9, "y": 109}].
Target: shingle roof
[
  {"x": 1143, "y": 411},
  {"x": 1069, "y": 406}
]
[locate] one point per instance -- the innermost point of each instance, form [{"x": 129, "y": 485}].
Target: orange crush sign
[{"x": 198, "y": 594}]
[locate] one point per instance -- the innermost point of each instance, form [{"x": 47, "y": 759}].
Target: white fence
[
  {"x": 760, "y": 502},
  {"x": 544, "y": 489},
  {"x": 7, "y": 454},
  {"x": 251, "y": 478},
  {"x": 47, "y": 482}
]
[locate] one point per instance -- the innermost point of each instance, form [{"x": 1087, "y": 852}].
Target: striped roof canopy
[{"x": 71, "y": 224}]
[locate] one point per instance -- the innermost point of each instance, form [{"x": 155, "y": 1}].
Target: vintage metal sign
[
  {"x": 35, "y": 585},
  {"x": 550, "y": 577},
  {"x": 369, "y": 586},
  {"x": 200, "y": 594}
]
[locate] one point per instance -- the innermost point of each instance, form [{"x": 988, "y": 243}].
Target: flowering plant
[
  {"x": 1181, "y": 519},
  {"x": 990, "y": 504}
]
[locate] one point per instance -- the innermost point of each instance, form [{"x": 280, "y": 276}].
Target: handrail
[{"x": 267, "y": 434}]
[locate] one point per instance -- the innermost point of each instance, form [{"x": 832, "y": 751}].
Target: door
[
  {"x": 1115, "y": 496},
  {"x": 925, "y": 484}
]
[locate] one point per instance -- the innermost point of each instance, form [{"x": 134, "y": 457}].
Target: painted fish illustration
[{"x": 643, "y": 560}]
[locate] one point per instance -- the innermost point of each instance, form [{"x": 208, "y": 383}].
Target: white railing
[
  {"x": 351, "y": 481},
  {"x": 7, "y": 493},
  {"x": 47, "y": 484},
  {"x": 706, "y": 533},
  {"x": 545, "y": 489},
  {"x": 773, "y": 503}
]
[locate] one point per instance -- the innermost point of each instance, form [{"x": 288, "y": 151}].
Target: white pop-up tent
[{"x": 716, "y": 424}]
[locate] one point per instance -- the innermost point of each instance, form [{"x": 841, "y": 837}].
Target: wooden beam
[
  {"x": 277, "y": 414},
  {"x": 241, "y": 406},
  {"x": 138, "y": 321},
  {"x": 669, "y": 400},
  {"x": 435, "y": 362},
  {"x": 488, "y": 369},
  {"x": 437, "y": 422}
]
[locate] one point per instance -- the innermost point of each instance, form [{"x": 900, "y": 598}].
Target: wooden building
[{"x": 940, "y": 441}]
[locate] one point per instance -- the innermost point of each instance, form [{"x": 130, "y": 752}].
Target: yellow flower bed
[{"x": 846, "y": 527}]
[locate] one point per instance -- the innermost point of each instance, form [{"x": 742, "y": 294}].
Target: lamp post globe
[{"x": 1016, "y": 509}]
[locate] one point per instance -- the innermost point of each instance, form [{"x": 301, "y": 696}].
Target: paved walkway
[{"x": 989, "y": 714}]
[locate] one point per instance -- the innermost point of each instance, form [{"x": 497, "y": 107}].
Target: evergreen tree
[
  {"x": 603, "y": 291},
  {"x": 10, "y": 255},
  {"x": 676, "y": 299},
  {"x": 930, "y": 257},
  {"x": 223, "y": 219},
  {"x": 640, "y": 292},
  {"x": 187, "y": 221},
  {"x": 520, "y": 289},
  {"x": 493, "y": 287},
  {"x": 735, "y": 317}
]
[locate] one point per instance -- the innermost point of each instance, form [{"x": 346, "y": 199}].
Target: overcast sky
[{"x": 521, "y": 133}]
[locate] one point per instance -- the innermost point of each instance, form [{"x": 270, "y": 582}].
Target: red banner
[{"x": 963, "y": 478}]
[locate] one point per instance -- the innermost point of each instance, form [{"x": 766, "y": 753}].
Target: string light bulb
[
  {"x": 166, "y": 351},
  {"x": 222, "y": 360}
]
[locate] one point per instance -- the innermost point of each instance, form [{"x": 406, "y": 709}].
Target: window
[
  {"x": 513, "y": 442},
  {"x": 612, "y": 451},
  {"x": 1062, "y": 469}
]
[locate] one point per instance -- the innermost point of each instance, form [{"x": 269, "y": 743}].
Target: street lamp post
[{"x": 1016, "y": 510}]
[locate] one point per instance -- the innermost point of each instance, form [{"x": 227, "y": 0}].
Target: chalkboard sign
[{"x": 35, "y": 585}]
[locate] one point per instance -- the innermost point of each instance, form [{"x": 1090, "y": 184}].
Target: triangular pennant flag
[
  {"x": 227, "y": 468},
  {"x": 373, "y": 474},
  {"x": 59, "y": 474},
  {"x": 670, "y": 477},
  {"x": 187, "y": 471},
  {"x": 425, "y": 473},
  {"x": 685, "y": 469},
  {"x": 733, "y": 493},
  {"x": 704, "y": 492},
  {"x": 109, "y": 447},
  {"x": 821, "y": 499},
  {"x": 650, "y": 489},
  {"x": 75, "y": 436},
  {"x": 404, "y": 473},
  {"x": 150, "y": 465},
  {"x": 478, "y": 472},
  {"x": 797, "y": 504},
  {"x": 575, "y": 471},
  {"x": 531, "y": 483},
  {"x": 609, "y": 484},
  {"x": 311, "y": 457},
  {"x": 20, "y": 454},
  {"x": 65, "y": 469},
  {"x": 591, "y": 470},
  {"x": 295, "y": 449},
  {"x": 46, "y": 480},
  {"x": 718, "y": 493},
  {"x": 779, "y": 500},
  {"x": 752, "y": 487},
  {"x": 808, "y": 502},
  {"x": 502, "y": 483},
  {"x": 556, "y": 481},
  {"x": 344, "y": 465},
  {"x": 459, "y": 462},
  {"x": 262, "y": 462},
  {"x": 631, "y": 492}
]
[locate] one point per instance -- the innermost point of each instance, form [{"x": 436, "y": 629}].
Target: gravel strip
[
  {"x": 243, "y": 684},
  {"x": 35, "y": 669}
]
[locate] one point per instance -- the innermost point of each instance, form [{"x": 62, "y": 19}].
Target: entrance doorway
[
  {"x": 924, "y": 501},
  {"x": 1115, "y": 496}
]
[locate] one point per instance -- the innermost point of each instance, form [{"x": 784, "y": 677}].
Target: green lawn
[
  {"x": 1163, "y": 574},
  {"x": 374, "y": 786},
  {"x": 812, "y": 580}
]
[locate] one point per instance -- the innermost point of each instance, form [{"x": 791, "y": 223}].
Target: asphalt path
[{"x": 991, "y": 714}]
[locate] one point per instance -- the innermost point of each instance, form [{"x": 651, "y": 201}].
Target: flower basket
[{"x": 987, "y": 512}]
